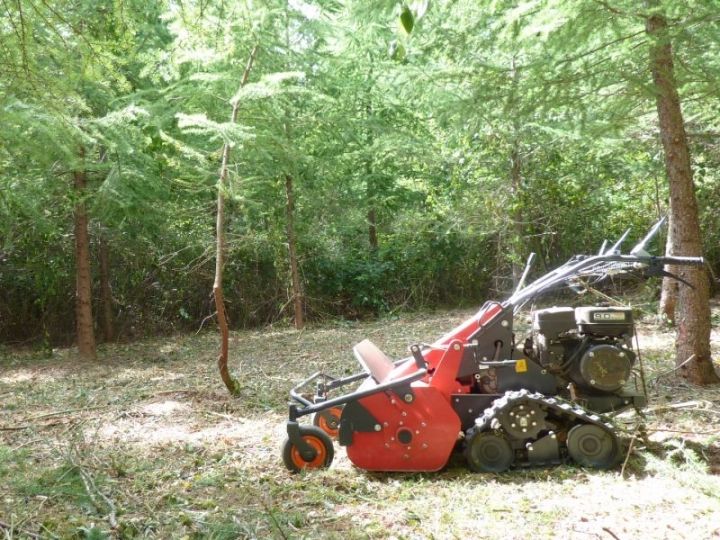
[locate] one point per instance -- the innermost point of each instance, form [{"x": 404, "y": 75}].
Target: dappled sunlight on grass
[{"x": 178, "y": 457}]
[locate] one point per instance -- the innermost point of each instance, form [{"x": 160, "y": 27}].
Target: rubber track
[{"x": 557, "y": 406}]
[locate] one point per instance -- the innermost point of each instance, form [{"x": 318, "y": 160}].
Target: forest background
[{"x": 380, "y": 156}]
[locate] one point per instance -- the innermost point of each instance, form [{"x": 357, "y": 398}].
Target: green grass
[{"x": 179, "y": 458}]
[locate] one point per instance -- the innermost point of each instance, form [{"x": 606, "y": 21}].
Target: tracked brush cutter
[{"x": 476, "y": 390}]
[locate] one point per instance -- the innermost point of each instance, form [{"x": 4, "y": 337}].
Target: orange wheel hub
[
  {"x": 320, "y": 454},
  {"x": 329, "y": 421}
]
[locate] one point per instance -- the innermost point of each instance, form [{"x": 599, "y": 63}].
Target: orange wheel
[
  {"x": 319, "y": 441},
  {"x": 329, "y": 421}
]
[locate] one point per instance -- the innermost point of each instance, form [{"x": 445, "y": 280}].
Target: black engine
[{"x": 587, "y": 348}]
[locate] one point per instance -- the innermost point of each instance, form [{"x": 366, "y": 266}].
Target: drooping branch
[{"x": 230, "y": 382}]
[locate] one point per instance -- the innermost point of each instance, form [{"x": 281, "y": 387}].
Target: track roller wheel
[
  {"x": 487, "y": 452},
  {"x": 592, "y": 446},
  {"x": 328, "y": 421},
  {"x": 319, "y": 441}
]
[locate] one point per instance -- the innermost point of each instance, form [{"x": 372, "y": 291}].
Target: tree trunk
[
  {"x": 515, "y": 215},
  {"x": 693, "y": 309},
  {"x": 370, "y": 188},
  {"x": 372, "y": 228},
  {"x": 106, "y": 291},
  {"x": 83, "y": 275},
  {"x": 231, "y": 383},
  {"x": 500, "y": 285},
  {"x": 517, "y": 228},
  {"x": 669, "y": 290},
  {"x": 292, "y": 250},
  {"x": 295, "y": 285}
]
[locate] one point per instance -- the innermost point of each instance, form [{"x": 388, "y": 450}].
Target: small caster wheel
[{"x": 320, "y": 443}]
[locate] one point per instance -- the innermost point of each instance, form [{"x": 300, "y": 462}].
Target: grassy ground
[{"x": 148, "y": 440}]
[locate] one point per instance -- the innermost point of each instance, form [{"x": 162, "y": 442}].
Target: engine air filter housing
[
  {"x": 605, "y": 321},
  {"x": 554, "y": 321}
]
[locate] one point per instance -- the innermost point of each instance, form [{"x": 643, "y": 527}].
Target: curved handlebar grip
[{"x": 691, "y": 261}]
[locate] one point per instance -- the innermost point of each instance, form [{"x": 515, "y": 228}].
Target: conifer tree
[{"x": 693, "y": 355}]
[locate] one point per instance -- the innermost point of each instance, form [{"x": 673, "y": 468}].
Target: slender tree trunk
[
  {"x": 370, "y": 190},
  {"x": 500, "y": 284},
  {"x": 83, "y": 275},
  {"x": 295, "y": 282},
  {"x": 669, "y": 290},
  {"x": 292, "y": 250},
  {"x": 515, "y": 216},
  {"x": 693, "y": 309},
  {"x": 106, "y": 291},
  {"x": 231, "y": 383},
  {"x": 372, "y": 228},
  {"x": 516, "y": 247}
]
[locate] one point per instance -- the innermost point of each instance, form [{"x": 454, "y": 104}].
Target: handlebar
[
  {"x": 691, "y": 261},
  {"x": 600, "y": 265},
  {"x": 607, "y": 262}
]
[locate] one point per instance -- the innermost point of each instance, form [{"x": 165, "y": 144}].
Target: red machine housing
[{"x": 420, "y": 428}]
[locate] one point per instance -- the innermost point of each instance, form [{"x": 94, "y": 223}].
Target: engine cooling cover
[{"x": 605, "y": 367}]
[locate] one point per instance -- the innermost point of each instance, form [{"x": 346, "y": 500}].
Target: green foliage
[
  {"x": 472, "y": 133},
  {"x": 407, "y": 20}
]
